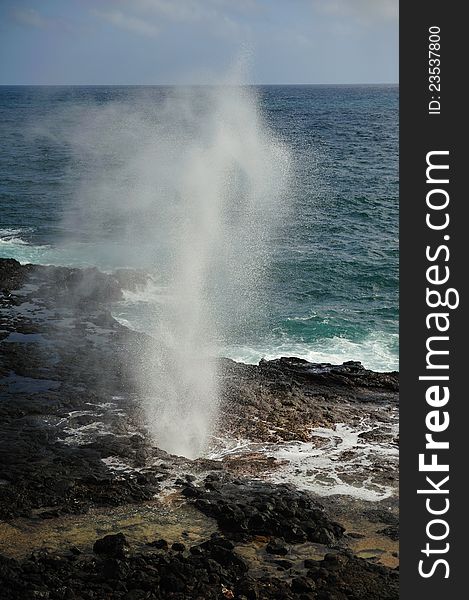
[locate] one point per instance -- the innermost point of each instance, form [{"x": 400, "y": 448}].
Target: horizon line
[{"x": 390, "y": 83}]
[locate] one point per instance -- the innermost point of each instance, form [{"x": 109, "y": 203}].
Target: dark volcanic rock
[
  {"x": 79, "y": 286},
  {"x": 64, "y": 284},
  {"x": 277, "y": 547},
  {"x": 257, "y": 508},
  {"x": 159, "y": 544},
  {"x": 178, "y": 547},
  {"x": 291, "y": 395},
  {"x": 111, "y": 545},
  {"x": 69, "y": 408},
  {"x": 12, "y": 274},
  {"x": 131, "y": 279},
  {"x": 392, "y": 532},
  {"x": 356, "y": 578},
  {"x": 63, "y": 368},
  {"x": 213, "y": 573},
  {"x": 67, "y": 365}
]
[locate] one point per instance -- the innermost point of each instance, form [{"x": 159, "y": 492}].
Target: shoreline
[
  {"x": 377, "y": 349},
  {"x": 74, "y": 444}
]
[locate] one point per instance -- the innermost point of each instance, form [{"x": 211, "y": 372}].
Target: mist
[{"x": 189, "y": 185}]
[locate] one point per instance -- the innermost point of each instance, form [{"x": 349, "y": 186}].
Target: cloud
[
  {"x": 127, "y": 22},
  {"x": 183, "y": 10},
  {"x": 149, "y": 17},
  {"x": 364, "y": 10},
  {"x": 196, "y": 10},
  {"x": 30, "y": 18}
]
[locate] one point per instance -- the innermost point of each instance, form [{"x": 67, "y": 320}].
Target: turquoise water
[{"x": 333, "y": 282}]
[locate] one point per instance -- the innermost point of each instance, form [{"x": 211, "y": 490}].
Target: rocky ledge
[{"x": 76, "y": 462}]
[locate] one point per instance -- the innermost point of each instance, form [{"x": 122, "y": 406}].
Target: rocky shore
[{"x": 90, "y": 509}]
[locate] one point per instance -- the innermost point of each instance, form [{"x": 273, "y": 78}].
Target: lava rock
[
  {"x": 159, "y": 544},
  {"x": 249, "y": 508},
  {"x": 276, "y": 547},
  {"x": 392, "y": 532},
  {"x": 301, "y": 584},
  {"x": 178, "y": 547},
  {"x": 111, "y": 545}
]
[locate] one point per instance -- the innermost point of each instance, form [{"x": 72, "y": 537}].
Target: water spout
[{"x": 189, "y": 187}]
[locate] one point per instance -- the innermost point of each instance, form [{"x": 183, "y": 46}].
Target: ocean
[{"x": 330, "y": 289}]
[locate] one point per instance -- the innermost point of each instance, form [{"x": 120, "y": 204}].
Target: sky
[{"x": 150, "y": 42}]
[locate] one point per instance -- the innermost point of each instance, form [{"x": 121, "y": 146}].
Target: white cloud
[
  {"x": 364, "y": 10},
  {"x": 127, "y": 22},
  {"x": 148, "y": 17},
  {"x": 183, "y": 10},
  {"x": 195, "y": 10},
  {"x": 31, "y": 18}
]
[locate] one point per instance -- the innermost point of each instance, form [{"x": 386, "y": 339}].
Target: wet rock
[
  {"x": 159, "y": 544},
  {"x": 191, "y": 492},
  {"x": 178, "y": 547},
  {"x": 114, "y": 569},
  {"x": 284, "y": 564},
  {"x": 68, "y": 414},
  {"x": 12, "y": 274},
  {"x": 257, "y": 508},
  {"x": 131, "y": 279},
  {"x": 301, "y": 585},
  {"x": 357, "y": 578},
  {"x": 172, "y": 583},
  {"x": 391, "y": 532},
  {"x": 276, "y": 547},
  {"x": 159, "y": 576},
  {"x": 380, "y": 434},
  {"x": 79, "y": 286},
  {"x": 309, "y": 563},
  {"x": 111, "y": 545},
  {"x": 290, "y": 393}
]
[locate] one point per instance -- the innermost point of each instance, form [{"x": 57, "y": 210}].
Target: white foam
[
  {"x": 378, "y": 351},
  {"x": 117, "y": 465},
  {"x": 322, "y": 470},
  {"x": 13, "y": 245},
  {"x": 150, "y": 293},
  {"x": 322, "y": 467},
  {"x": 11, "y": 237}
]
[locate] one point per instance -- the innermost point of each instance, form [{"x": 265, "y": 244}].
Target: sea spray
[
  {"x": 228, "y": 192},
  {"x": 190, "y": 186}
]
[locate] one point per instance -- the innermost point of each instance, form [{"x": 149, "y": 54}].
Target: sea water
[{"x": 330, "y": 292}]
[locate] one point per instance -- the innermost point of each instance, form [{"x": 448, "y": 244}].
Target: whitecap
[{"x": 377, "y": 351}]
